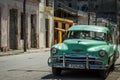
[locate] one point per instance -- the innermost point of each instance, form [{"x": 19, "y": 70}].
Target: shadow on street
[{"x": 74, "y": 75}]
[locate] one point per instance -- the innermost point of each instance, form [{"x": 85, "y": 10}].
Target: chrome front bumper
[{"x": 77, "y": 62}]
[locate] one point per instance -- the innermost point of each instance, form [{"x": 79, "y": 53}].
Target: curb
[
  {"x": 11, "y": 53},
  {"x": 16, "y": 52}
]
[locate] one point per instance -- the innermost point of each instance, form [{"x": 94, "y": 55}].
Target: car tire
[
  {"x": 56, "y": 71},
  {"x": 112, "y": 67},
  {"x": 104, "y": 73}
]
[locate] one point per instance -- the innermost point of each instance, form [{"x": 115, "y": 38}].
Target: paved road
[
  {"x": 24, "y": 67},
  {"x": 34, "y": 66}
]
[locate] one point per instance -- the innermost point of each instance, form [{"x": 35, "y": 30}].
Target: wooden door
[
  {"x": 13, "y": 28},
  {"x": 33, "y": 32}
]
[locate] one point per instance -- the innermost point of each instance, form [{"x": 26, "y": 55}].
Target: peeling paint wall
[
  {"x": 6, "y": 5},
  {"x": 45, "y": 12},
  {"x": 32, "y": 8}
]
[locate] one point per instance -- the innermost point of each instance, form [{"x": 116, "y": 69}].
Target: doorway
[
  {"x": 47, "y": 32},
  {"x": 33, "y": 31},
  {"x": 0, "y": 27},
  {"x": 13, "y": 28},
  {"x": 22, "y": 27}
]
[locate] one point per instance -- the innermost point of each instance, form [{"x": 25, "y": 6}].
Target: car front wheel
[
  {"x": 104, "y": 73},
  {"x": 112, "y": 67},
  {"x": 56, "y": 71}
]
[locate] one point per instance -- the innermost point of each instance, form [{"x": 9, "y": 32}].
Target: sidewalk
[{"x": 15, "y": 52}]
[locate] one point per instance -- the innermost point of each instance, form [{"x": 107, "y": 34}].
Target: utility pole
[
  {"x": 24, "y": 24},
  {"x": 88, "y": 12}
]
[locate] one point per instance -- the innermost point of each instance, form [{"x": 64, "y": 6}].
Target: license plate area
[{"x": 77, "y": 66}]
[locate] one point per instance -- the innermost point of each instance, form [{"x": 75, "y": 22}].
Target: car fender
[{"x": 116, "y": 52}]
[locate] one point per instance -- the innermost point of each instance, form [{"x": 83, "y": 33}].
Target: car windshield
[{"x": 100, "y": 36}]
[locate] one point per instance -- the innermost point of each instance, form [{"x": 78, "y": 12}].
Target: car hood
[
  {"x": 82, "y": 46},
  {"x": 83, "y": 43}
]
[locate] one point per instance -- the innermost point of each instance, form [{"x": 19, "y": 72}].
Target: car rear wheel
[{"x": 56, "y": 71}]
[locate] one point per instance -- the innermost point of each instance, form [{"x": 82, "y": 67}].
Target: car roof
[{"x": 88, "y": 28}]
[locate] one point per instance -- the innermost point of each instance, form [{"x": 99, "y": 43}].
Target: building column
[
  {"x": 51, "y": 31},
  {"x": 4, "y": 28},
  {"x": 60, "y": 32},
  {"x": 66, "y": 26},
  {"x": 42, "y": 30},
  {"x": 29, "y": 31},
  {"x": 19, "y": 30},
  {"x": 41, "y": 23}
]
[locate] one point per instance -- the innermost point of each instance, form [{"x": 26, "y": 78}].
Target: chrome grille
[{"x": 80, "y": 59}]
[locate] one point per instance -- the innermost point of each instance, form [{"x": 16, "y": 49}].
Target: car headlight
[
  {"x": 102, "y": 53},
  {"x": 53, "y": 50}
]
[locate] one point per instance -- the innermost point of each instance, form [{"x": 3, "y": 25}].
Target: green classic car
[{"x": 85, "y": 47}]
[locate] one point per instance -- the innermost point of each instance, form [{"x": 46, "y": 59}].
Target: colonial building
[
  {"x": 65, "y": 10},
  {"x": 64, "y": 17},
  {"x": 46, "y": 23},
  {"x": 39, "y": 22},
  {"x": 71, "y": 9},
  {"x": 106, "y": 9},
  {"x": 102, "y": 8}
]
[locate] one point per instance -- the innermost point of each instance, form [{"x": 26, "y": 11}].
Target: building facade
[
  {"x": 39, "y": 22},
  {"x": 75, "y": 10},
  {"x": 102, "y": 8},
  {"x": 46, "y": 23}
]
